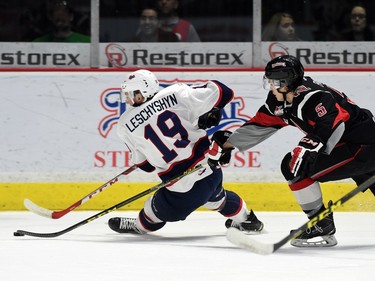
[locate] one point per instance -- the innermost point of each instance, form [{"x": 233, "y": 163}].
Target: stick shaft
[
  {"x": 31, "y": 206},
  {"x": 111, "y": 209},
  {"x": 319, "y": 217},
  {"x": 244, "y": 241}
]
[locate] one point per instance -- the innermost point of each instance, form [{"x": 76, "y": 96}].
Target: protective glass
[{"x": 268, "y": 83}]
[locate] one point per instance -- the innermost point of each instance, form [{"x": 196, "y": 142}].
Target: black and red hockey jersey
[{"x": 317, "y": 110}]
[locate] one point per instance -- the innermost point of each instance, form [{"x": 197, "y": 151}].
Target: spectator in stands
[
  {"x": 359, "y": 30},
  {"x": 280, "y": 28},
  {"x": 170, "y": 21},
  {"x": 149, "y": 30},
  {"x": 61, "y": 16}
]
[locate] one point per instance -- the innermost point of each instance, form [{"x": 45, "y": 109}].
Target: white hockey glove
[
  {"x": 217, "y": 154},
  {"x": 304, "y": 156}
]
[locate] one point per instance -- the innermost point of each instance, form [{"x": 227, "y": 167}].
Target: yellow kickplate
[{"x": 258, "y": 196}]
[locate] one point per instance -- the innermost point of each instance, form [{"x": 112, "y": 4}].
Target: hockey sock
[
  {"x": 234, "y": 207},
  {"x": 146, "y": 224}
]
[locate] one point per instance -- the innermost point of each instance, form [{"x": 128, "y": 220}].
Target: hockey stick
[
  {"x": 31, "y": 206},
  {"x": 244, "y": 241},
  {"x": 111, "y": 209}
]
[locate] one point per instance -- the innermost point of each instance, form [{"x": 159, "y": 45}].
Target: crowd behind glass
[{"x": 210, "y": 20}]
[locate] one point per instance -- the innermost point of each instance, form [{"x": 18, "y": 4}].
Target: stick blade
[
  {"x": 244, "y": 241},
  {"x": 31, "y": 206}
]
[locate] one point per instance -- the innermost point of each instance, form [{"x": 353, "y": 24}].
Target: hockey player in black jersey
[{"x": 339, "y": 139}]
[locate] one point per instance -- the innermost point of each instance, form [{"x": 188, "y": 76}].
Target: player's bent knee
[{"x": 158, "y": 209}]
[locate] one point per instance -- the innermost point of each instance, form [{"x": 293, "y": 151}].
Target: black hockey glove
[
  {"x": 218, "y": 154},
  {"x": 304, "y": 156},
  {"x": 210, "y": 119}
]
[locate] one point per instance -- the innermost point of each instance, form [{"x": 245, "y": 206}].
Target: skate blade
[{"x": 320, "y": 241}]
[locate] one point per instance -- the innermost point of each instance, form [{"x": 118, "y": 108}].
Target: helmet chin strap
[
  {"x": 287, "y": 105},
  {"x": 283, "y": 93}
]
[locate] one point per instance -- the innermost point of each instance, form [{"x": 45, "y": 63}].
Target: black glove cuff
[{"x": 221, "y": 137}]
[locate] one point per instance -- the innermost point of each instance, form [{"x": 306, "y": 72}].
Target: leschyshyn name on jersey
[{"x": 152, "y": 108}]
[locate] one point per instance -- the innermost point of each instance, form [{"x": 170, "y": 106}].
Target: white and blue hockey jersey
[{"x": 162, "y": 133}]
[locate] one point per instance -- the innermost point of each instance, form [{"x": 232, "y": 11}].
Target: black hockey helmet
[{"x": 283, "y": 71}]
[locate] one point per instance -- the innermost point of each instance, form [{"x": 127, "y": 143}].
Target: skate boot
[
  {"x": 124, "y": 225},
  {"x": 251, "y": 225},
  {"x": 320, "y": 235}
]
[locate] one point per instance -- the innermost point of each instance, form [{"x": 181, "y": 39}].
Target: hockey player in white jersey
[{"x": 165, "y": 133}]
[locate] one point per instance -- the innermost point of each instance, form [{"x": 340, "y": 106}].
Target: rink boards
[{"x": 60, "y": 144}]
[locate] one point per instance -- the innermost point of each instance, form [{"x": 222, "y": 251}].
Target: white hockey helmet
[{"x": 141, "y": 80}]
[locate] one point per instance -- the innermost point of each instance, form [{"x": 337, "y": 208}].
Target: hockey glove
[
  {"x": 304, "y": 156},
  {"x": 218, "y": 154},
  {"x": 210, "y": 119}
]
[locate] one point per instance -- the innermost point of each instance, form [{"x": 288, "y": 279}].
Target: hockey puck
[{"x": 18, "y": 234}]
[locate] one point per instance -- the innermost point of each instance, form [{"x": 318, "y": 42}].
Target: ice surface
[{"x": 195, "y": 249}]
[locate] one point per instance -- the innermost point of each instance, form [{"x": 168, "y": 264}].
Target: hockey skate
[
  {"x": 124, "y": 225},
  {"x": 320, "y": 235},
  {"x": 251, "y": 225}
]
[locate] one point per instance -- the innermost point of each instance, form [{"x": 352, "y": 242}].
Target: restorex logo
[
  {"x": 277, "y": 49},
  {"x": 39, "y": 59},
  {"x": 117, "y": 56},
  {"x": 110, "y": 101},
  {"x": 317, "y": 57}
]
